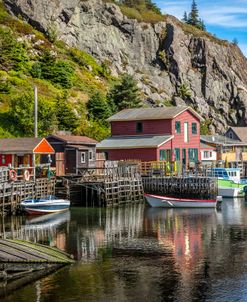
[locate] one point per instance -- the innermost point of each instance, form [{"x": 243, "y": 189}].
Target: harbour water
[{"x": 134, "y": 253}]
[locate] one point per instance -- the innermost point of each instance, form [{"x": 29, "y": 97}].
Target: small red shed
[
  {"x": 154, "y": 134},
  {"x": 18, "y": 152}
]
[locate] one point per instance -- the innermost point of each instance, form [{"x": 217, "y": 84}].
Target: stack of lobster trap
[{"x": 16, "y": 185}]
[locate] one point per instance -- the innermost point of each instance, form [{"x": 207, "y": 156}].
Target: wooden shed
[
  {"x": 72, "y": 153},
  {"x": 18, "y": 152}
]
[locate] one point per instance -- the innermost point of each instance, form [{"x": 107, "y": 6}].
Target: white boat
[
  {"x": 229, "y": 182},
  {"x": 158, "y": 201},
  {"x": 51, "y": 204},
  {"x": 230, "y": 192}
]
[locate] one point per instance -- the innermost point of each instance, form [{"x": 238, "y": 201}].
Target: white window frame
[
  {"x": 90, "y": 155},
  {"x": 206, "y": 154},
  {"x": 186, "y": 132},
  {"x": 83, "y": 157}
]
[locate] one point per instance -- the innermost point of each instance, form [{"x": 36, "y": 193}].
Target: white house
[{"x": 208, "y": 154}]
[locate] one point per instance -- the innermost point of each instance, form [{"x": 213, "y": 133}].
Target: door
[
  {"x": 184, "y": 157},
  {"x": 60, "y": 164}
]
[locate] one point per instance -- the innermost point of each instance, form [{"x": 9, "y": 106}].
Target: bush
[{"x": 12, "y": 53}]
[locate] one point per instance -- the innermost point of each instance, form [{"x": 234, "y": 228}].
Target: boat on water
[
  {"x": 229, "y": 182},
  {"x": 158, "y": 201},
  {"x": 50, "y": 204}
]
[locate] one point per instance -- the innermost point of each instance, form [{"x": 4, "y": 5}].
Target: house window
[
  {"x": 139, "y": 127},
  {"x": 83, "y": 158},
  {"x": 162, "y": 154},
  {"x": 177, "y": 154},
  {"x": 206, "y": 154},
  {"x": 90, "y": 155},
  {"x": 178, "y": 127},
  {"x": 231, "y": 135},
  {"x": 186, "y": 132},
  {"x": 193, "y": 154},
  {"x": 3, "y": 160},
  {"x": 194, "y": 128},
  {"x": 166, "y": 155}
]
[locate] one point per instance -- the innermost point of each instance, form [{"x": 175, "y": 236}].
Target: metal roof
[
  {"x": 128, "y": 142},
  {"x": 19, "y": 145},
  {"x": 74, "y": 139},
  {"x": 221, "y": 140},
  {"x": 205, "y": 146},
  {"x": 241, "y": 133},
  {"x": 140, "y": 114}
]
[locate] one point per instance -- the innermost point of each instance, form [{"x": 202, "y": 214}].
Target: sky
[{"x": 227, "y": 19}]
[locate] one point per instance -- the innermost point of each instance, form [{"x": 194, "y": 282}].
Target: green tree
[
  {"x": 22, "y": 114},
  {"x": 98, "y": 107},
  {"x": 125, "y": 94},
  {"x": 185, "y": 17},
  {"x": 66, "y": 117},
  {"x": 193, "y": 17},
  {"x": 12, "y": 53},
  {"x": 93, "y": 128},
  {"x": 56, "y": 71}
]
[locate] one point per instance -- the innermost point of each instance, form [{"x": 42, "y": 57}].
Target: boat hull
[
  {"x": 157, "y": 201},
  {"x": 230, "y": 192},
  {"x": 44, "y": 207},
  {"x": 229, "y": 188}
]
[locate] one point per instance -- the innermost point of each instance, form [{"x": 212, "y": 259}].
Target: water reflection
[{"x": 134, "y": 253}]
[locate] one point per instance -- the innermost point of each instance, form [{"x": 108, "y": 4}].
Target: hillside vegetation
[{"x": 65, "y": 77}]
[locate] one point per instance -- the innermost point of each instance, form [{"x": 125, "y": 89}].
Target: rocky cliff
[{"x": 173, "y": 62}]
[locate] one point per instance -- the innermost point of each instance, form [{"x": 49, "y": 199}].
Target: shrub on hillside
[{"x": 12, "y": 53}]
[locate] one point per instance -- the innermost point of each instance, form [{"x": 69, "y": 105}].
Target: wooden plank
[{"x": 23, "y": 251}]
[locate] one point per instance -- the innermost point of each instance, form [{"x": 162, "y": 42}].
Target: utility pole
[
  {"x": 35, "y": 111},
  {"x": 35, "y": 125}
]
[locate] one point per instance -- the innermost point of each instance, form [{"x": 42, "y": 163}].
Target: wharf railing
[
  {"x": 171, "y": 179},
  {"x": 114, "y": 184},
  {"x": 41, "y": 170}
]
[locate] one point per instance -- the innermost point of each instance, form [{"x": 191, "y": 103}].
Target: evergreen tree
[
  {"x": 185, "y": 17},
  {"x": 98, "y": 107},
  {"x": 194, "y": 14},
  {"x": 126, "y": 94},
  {"x": 66, "y": 117},
  {"x": 193, "y": 17}
]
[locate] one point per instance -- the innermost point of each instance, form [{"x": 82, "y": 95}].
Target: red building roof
[{"x": 28, "y": 145}]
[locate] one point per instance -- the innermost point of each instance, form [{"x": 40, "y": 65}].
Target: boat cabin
[{"x": 227, "y": 173}]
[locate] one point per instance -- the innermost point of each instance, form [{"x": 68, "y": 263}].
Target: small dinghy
[
  {"x": 51, "y": 204},
  {"x": 158, "y": 201}
]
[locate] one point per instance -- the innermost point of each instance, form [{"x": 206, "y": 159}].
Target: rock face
[{"x": 166, "y": 58}]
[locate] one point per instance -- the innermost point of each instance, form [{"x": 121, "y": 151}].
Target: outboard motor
[{"x": 245, "y": 193}]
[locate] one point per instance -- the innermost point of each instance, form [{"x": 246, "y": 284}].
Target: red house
[
  {"x": 154, "y": 134},
  {"x": 18, "y": 152}
]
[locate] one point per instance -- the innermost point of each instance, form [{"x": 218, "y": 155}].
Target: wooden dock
[
  {"x": 22, "y": 262},
  {"x": 12, "y": 193},
  {"x": 18, "y": 251},
  {"x": 113, "y": 185}
]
